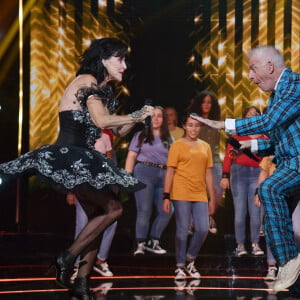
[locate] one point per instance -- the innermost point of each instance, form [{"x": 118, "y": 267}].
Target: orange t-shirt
[{"x": 191, "y": 162}]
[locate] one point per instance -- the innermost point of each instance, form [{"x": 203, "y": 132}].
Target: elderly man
[{"x": 282, "y": 122}]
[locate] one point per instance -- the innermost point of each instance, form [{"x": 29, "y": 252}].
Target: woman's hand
[
  {"x": 257, "y": 201},
  {"x": 208, "y": 122},
  {"x": 166, "y": 205},
  {"x": 140, "y": 115},
  {"x": 225, "y": 183}
]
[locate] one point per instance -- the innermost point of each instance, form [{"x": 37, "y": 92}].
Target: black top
[{"x": 72, "y": 160}]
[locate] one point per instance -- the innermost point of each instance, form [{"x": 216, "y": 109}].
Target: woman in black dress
[{"x": 72, "y": 164}]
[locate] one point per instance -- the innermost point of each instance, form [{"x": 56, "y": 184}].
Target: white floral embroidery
[
  {"x": 64, "y": 150},
  {"x": 42, "y": 160},
  {"x": 89, "y": 154},
  {"x": 78, "y": 116}
]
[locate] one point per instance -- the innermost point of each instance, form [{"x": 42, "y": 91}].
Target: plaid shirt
[{"x": 281, "y": 122}]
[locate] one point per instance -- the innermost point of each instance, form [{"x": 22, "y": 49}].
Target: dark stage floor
[{"x": 25, "y": 259}]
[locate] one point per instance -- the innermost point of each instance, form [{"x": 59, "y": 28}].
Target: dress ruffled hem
[{"x": 67, "y": 167}]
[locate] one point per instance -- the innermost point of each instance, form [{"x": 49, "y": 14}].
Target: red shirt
[{"x": 241, "y": 159}]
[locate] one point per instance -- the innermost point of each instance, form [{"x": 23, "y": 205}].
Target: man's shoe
[
  {"x": 103, "y": 269},
  {"x": 192, "y": 271},
  {"x": 287, "y": 274},
  {"x": 154, "y": 247},
  {"x": 140, "y": 250}
]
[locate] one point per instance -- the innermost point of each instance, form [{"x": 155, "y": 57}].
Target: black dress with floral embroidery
[{"x": 72, "y": 160}]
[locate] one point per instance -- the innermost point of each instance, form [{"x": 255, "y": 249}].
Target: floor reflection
[{"x": 23, "y": 276}]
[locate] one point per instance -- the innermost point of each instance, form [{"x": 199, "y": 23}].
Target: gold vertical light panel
[
  {"x": 46, "y": 73},
  {"x": 20, "y": 125},
  {"x": 257, "y": 97},
  {"x": 243, "y": 86},
  {"x": 20, "y": 76},
  {"x": 295, "y": 36},
  {"x": 57, "y": 40},
  {"x": 279, "y": 26},
  {"x": 211, "y": 68},
  {"x": 227, "y": 62}
]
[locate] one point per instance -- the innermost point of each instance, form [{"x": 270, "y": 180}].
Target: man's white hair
[{"x": 268, "y": 53}]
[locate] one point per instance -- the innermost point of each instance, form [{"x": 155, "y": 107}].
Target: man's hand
[{"x": 209, "y": 123}]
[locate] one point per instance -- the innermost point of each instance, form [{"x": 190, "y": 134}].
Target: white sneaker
[
  {"x": 287, "y": 274},
  {"x": 140, "y": 249},
  {"x": 154, "y": 247},
  {"x": 256, "y": 250},
  {"x": 192, "y": 271},
  {"x": 103, "y": 269},
  {"x": 271, "y": 275},
  {"x": 240, "y": 250},
  {"x": 180, "y": 274}
]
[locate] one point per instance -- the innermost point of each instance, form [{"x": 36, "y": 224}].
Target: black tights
[{"x": 102, "y": 208}]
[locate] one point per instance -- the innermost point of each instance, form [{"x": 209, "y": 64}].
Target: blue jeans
[
  {"x": 184, "y": 210},
  {"x": 108, "y": 233},
  {"x": 151, "y": 195},
  {"x": 217, "y": 175},
  {"x": 243, "y": 181}
]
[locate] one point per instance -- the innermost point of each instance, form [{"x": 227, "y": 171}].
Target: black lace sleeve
[{"x": 104, "y": 94}]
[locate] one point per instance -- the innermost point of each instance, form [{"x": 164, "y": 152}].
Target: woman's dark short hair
[{"x": 91, "y": 60}]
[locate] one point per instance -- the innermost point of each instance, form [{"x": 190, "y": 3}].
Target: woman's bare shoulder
[
  {"x": 84, "y": 80},
  {"x": 69, "y": 100}
]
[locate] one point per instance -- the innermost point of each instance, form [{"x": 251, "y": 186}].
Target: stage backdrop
[{"x": 223, "y": 33}]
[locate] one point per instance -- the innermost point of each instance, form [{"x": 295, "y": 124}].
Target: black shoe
[
  {"x": 81, "y": 289},
  {"x": 64, "y": 268}
]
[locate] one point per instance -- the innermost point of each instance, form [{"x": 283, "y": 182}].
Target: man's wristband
[
  {"x": 166, "y": 196},
  {"x": 256, "y": 191}
]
